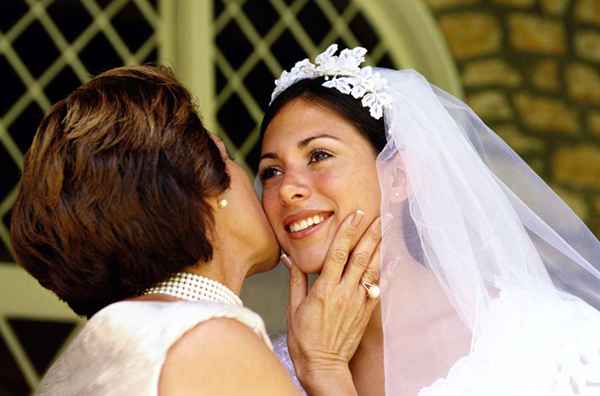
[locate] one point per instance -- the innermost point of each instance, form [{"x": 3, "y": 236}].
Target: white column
[{"x": 187, "y": 46}]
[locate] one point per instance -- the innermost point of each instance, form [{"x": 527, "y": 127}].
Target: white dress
[
  {"x": 531, "y": 344},
  {"x": 121, "y": 349}
]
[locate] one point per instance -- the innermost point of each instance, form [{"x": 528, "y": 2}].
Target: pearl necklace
[{"x": 192, "y": 287}]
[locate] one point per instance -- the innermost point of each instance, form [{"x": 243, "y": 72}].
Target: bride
[
  {"x": 489, "y": 281},
  {"x": 130, "y": 212}
]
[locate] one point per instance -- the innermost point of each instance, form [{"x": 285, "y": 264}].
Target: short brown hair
[{"x": 113, "y": 196}]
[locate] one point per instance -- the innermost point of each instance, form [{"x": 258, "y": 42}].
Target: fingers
[
  {"x": 339, "y": 251},
  {"x": 371, "y": 274},
  {"x": 362, "y": 262},
  {"x": 298, "y": 284}
]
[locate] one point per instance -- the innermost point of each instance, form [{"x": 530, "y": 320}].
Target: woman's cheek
[{"x": 269, "y": 203}]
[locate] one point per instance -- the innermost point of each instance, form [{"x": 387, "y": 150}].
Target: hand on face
[{"x": 327, "y": 322}]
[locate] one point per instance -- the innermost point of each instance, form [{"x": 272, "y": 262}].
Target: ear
[{"x": 213, "y": 202}]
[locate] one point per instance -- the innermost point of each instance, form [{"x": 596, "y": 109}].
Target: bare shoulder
[{"x": 225, "y": 357}]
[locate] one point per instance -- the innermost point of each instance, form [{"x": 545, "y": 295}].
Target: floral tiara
[{"x": 342, "y": 72}]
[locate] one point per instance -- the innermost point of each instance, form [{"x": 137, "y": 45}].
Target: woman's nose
[{"x": 294, "y": 189}]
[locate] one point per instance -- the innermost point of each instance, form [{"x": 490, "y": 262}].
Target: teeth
[{"x": 305, "y": 223}]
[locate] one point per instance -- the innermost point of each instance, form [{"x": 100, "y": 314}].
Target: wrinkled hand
[{"x": 326, "y": 323}]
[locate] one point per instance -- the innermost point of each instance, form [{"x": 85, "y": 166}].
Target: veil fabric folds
[{"x": 504, "y": 277}]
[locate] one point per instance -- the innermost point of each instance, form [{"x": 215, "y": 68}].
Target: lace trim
[{"x": 342, "y": 72}]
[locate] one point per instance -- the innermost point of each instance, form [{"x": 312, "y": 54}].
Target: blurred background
[{"x": 530, "y": 68}]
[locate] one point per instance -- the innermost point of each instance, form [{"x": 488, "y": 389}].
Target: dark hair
[
  {"x": 113, "y": 194},
  {"x": 345, "y": 105}
]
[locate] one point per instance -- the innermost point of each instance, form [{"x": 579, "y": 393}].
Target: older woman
[{"x": 136, "y": 217}]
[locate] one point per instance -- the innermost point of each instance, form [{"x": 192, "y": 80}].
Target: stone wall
[{"x": 531, "y": 69}]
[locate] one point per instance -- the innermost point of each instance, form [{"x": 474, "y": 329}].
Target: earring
[{"x": 222, "y": 203}]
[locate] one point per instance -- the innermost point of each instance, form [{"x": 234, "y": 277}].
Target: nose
[{"x": 294, "y": 189}]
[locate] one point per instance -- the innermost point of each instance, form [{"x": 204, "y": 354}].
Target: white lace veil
[{"x": 470, "y": 219}]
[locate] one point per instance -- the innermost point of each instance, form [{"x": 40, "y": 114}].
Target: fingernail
[
  {"x": 285, "y": 260},
  {"x": 357, "y": 218}
]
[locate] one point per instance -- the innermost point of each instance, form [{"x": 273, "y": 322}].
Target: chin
[
  {"x": 309, "y": 263},
  {"x": 268, "y": 257},
  {"x": 273, "y": 259}
]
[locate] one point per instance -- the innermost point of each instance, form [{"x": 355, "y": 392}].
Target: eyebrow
[{"x": 301, "y": 144}]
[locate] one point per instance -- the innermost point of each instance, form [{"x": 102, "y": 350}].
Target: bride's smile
[
  {"x": 316, "y": 169},
  {"x": 306, "y": 222}
]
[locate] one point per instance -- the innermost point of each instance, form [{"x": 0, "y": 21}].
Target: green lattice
[{"x": 69, "y": 57}]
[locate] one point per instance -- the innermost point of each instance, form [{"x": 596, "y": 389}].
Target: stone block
[
  {"x": 587, "y": 45},
  {"x": 576, "y": 201},
  {"x": 490, "y": 72},
  {"x": 471, "y": 34},
  {"x": 555, "y": 7},
  {"x": 588, "y": 11},
  {"x": 594, "y": 225},
  {"x": 583, "y": 83},
  {"x": 596, "y": 204},
  {"x": 593, "y": 122},
  {"x": 534, "y": 34},
  {"x": 538, "y": 165},
  {"x": 490, "y": 105},
  {"x": 516, "y": 139},
  {"x": 578, "y": 166},
  {"x": 516, "y": 3},
  {"x": 545, "y": 75},
  {"x": 546, "y": 115}
]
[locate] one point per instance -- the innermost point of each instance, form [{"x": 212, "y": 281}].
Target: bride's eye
[
  {"x": 318, "y": 155},
  {"x": 268, "y": 173}
]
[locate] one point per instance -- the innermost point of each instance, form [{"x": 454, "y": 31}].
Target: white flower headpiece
[{"x": 342, "y": 72}]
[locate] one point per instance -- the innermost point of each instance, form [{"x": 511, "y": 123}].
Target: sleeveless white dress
[
  {"x": 122, "y": 348},
  {"x": 531, "y": 345}
]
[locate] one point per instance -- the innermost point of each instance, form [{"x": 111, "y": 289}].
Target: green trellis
[
  {"x": 23, "y": 297},
  {"x": 69, "y": 57}
]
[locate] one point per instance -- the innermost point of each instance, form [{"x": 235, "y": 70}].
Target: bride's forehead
[
  {"x": 306, "y": 135},
  {"x": 294, "y": 129},
  {"x": 301, "y": 111}
]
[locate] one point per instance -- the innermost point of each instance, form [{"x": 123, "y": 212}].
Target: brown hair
[{"x": 113, "y": 194}]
